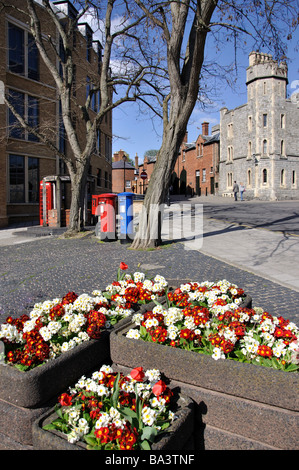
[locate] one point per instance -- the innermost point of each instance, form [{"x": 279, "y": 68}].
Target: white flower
[
  {"x": 103, "y": 421},
  {"x": 153, "y": 375},
  {"x": 148, "y": 416},
  {"x": 98, "y": 375},
  {"x": 151, "y": 322},
  {"x": 218, "y": 354},
  {"x": 138, "y": 277},
  {"x": 29, "y": 325},
  {"x": 106, "y": 369},
  {"x": 133, "y": 334}
]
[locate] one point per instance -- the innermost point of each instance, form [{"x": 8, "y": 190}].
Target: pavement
[{"x": 214, "y": 240}]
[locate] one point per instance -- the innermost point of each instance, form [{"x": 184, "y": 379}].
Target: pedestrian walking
[
  {"x": 235, "y": 190},
  {"x": 242, "y": 189}
]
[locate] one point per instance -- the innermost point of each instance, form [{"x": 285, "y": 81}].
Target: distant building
[
  {"x": 24, "y": 161},
  {"x": 196, "y": 168},
  {"x": 123, "y": 173},
  {"x": 259, "y": 141}
]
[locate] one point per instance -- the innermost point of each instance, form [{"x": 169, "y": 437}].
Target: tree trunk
[
  {"x": 78, "y": 187},
  {"x": 151, "y": 216}
]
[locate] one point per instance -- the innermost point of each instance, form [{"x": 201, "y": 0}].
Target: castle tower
[{"x": 259, "y": 140}]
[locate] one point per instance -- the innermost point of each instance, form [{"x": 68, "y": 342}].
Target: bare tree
[
  {"x": 115, "y": 85},
  {"x": 183, "y": 28}
]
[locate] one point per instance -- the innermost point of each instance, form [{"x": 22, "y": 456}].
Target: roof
[
  {"x": 120, "y": 166},
  {"x": 213, "y": 138}
]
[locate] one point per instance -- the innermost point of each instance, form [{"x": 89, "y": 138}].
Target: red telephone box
[
  {"x": 49, "y": 201},
  {"x": 106, "y": 211},
  {"x": 95, "y": 202}
]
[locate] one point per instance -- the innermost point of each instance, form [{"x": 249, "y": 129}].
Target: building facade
[
  {"x": 26, "y": 81},
  {"x": 123, "y": 173},
  {"x": 259, "y": 141},
  {"x": 196, "y": 168}
]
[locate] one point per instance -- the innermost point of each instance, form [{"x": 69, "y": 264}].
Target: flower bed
[
  {"x": 114, "y": 411},
  {"x": 208, "y": 318},
  {"x": 74, "y": 331}
]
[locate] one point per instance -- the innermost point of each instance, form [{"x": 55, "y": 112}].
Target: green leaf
[
  {"x": 144, "y": 445},
  {"x": 149, "y": 433},
  {"x": 91, "y": 440},
  {"x": 115, "y": 392},
  {"x": 49, "y": 427}
]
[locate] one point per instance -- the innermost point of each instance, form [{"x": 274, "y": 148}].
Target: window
[
  {"x": 249, "y": 149},
  {"x": 23, "y": 55},
  {"x": 265, "y": 120},
  {"x": 108, "y": 148},
  {"x": 249, "y": 178},
  {"x": 33, "y": 179},
  {"x": 128, "y": 184},
  {"x": 99, "y": 177},
  {"x": 265, "y": 176},
  {"x": 230, "y": 130},
  {"x": 230, "y": 155},
  {"x": 88, "y": 46},
  {"x": 282, "y": 177},
  {"x": 16, "y": 54},
  {"x": 16, "y": 179},
  {"x": 99, "y": 141},
  {"x": 23, "y": 179},
  {"x": 33, "y": 116},
  {"x": 204, "y": 175},
  {"x": 265, "y": 146},
  {"x": 265, "y": 88},
  {"x": 249, "y": 123},
  {"x": 282, "y": 148},
  {"x": 293, "y": 178},
  {"x": 17, "y": 100},
  {"x": 28, "y": 109},
  {"x": 282, "y": 121},
  {"x": 33, "y": 61},
  {"x": 229, "y": 180}
]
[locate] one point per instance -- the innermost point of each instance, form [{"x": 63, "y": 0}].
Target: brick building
[
  {"x": 196, "y": 169},
  {"x": 195, "y": 172},
  {"x": 123, "y": 173},
  {"x": 25, "y": 79}
]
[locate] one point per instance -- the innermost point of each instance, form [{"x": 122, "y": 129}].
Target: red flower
[
  {"x": 65, "y": 399},
  {"x": 265, "y": 351},
  {"x": 159, "y": 388},
  {"x": 123, "y": 266},
  {"x": 137, "y": 374}
]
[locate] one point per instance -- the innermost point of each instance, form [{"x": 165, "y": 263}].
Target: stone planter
[
  {"x": 24, "y": 396},
  {"x": 35, "y": 387},
  {"x": 244, "y": 403},
  {"x": 178, "y": 436}
]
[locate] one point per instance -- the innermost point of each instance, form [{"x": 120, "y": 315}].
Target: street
[{"x": 264, "y": 262}]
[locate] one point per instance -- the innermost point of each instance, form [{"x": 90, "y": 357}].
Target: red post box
[{"x": 106, "y": 212}]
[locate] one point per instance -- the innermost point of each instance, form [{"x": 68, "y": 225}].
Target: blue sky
[{"x": 135, "y": 133}]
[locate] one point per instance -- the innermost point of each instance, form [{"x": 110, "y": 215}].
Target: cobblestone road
[{"x": 49, "y": 268}]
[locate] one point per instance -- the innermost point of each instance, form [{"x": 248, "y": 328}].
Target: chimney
[
  {"x": 186, "y": 137},
  {"x": 205, "y": 128},
  {"x": 136, "y": 161}
]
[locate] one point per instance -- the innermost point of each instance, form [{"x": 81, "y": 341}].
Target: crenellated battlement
[{"x": 262, "y": 65}]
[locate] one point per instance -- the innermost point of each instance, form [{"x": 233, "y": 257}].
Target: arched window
[
  {"x": 249, "y": 149},
  {"x": 282, "y": 177},
  {"x": 265, "y": 176},
  {"x": 265, "y": 147},
  {"x": 282, "y": 148},
  {"x": 249, "y": 178},
  {"x": 293, "y": 178}
]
